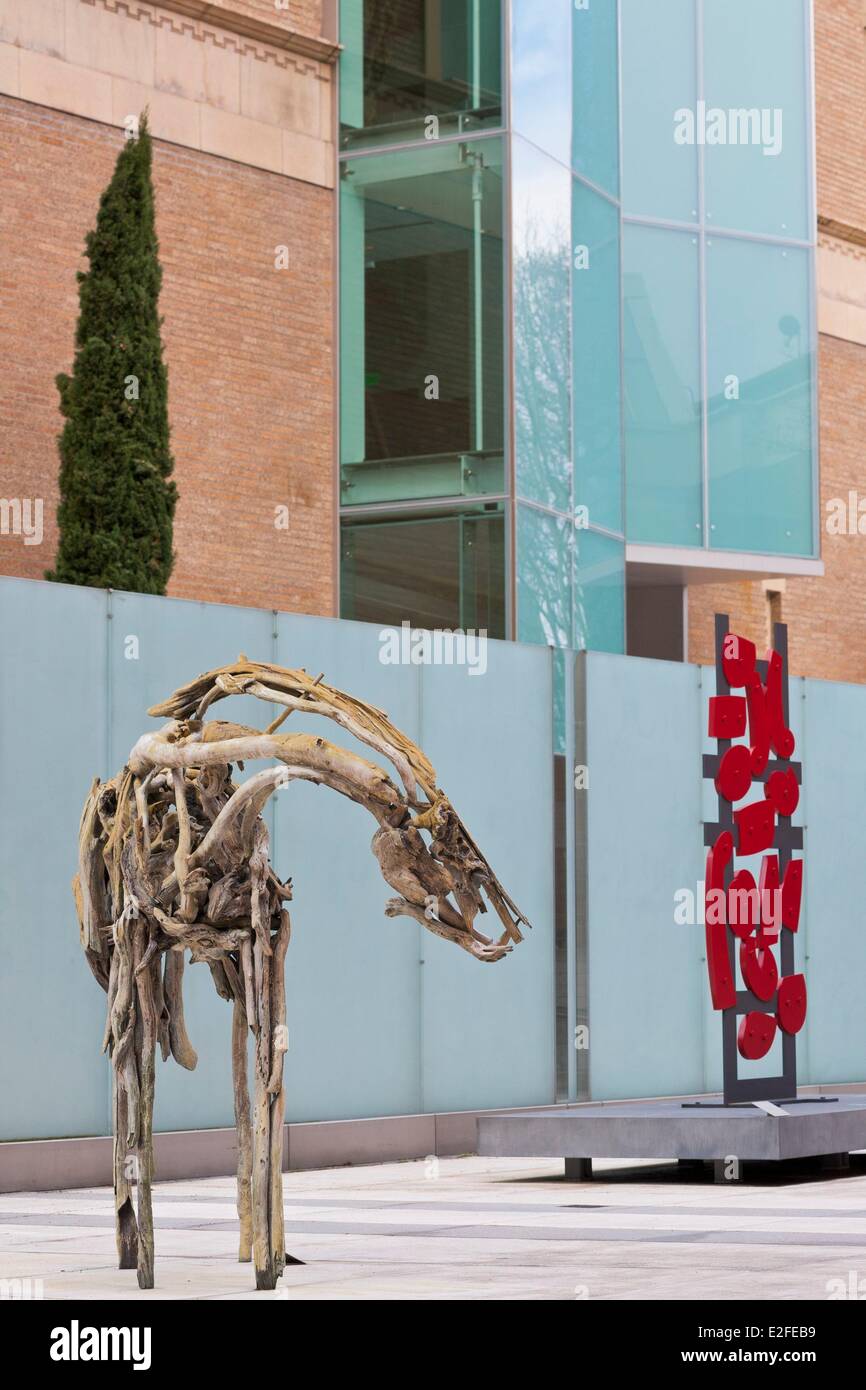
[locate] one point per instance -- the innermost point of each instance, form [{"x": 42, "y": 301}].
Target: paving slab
[{"x": 471, "y": 1229}]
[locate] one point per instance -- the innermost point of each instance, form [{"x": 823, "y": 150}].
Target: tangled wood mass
[{"x": 174, "y": 857}]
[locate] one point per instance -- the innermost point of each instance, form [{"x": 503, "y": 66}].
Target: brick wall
[
  {"x": 303, "y": 16},
  {"x": 249, "y": 352},
  {"x": 840, "y": 109}
]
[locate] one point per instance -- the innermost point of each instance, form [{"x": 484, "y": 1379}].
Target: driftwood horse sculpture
[{"x": 174, "y": 857}]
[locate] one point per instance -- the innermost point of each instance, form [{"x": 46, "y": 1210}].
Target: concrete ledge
[
  {"x": 666, "y": 1129},
  {"x": 44, "y": 1164}
]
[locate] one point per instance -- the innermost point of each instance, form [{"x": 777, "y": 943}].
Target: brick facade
[
  {"x": 240, "y": 95},
  {"x": 249, "y": 351},
  {"x": 840, "y": 109},
  {"x": 304, "y": 16}
]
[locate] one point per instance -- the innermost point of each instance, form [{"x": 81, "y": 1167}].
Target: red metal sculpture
[{"x": 754, "y": 920}]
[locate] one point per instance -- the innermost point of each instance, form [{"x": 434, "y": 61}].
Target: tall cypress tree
[{"x": 117, "y": 499}]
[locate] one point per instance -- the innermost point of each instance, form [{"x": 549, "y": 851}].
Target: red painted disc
[
  {"x": 791, "y": 1005},
  {"x": 782, "y": 792},
  {"x": 756, "y": 826},
  {"x": 735, "y": 773},
  {"x": 744, "y": 911},
  {"x": 755, "y": 1035},
  {"x": 759, "y": 969}
]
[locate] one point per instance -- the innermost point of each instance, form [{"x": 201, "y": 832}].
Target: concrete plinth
[{"x": 666, "y": 1129}]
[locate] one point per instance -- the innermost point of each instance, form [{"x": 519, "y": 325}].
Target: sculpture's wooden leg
[
  {"x": 264, "y": 992},
  {"x": 126, "y": 1228},
  {"x": 280, "y": 1044},
  {"x": 145, "y": 1172},
  {"x": 275, "y": 1196},
  {"x": 266, "y": 1276},
  {"x": 244, "y": 1129},
  {"x": 145, "y": 1044}
]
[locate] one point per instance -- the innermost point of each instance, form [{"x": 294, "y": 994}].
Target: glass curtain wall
[
  {"x": 477, "y": 250},
  {"x": 422, "y": 367},
  {"x": 719, "y": 344},
  {"x": 577, "y": 300}
]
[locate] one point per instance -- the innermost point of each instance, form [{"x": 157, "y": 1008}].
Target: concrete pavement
[{"x": 467, "y": 1229}]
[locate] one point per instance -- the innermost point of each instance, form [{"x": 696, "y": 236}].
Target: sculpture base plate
[{"x": 665, "y": 1129}]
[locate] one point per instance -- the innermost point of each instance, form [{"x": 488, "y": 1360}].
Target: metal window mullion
[
  {"x": 702, "y": 284},
  {"x": 509, "y": 439},
  {"x": 622, "y": 432},
  {"x": 814, "y": 338},
  {"x": 572, "y": 402},
  {"x": 337, "y": 376},
  {"x": 673, "y": 224}
]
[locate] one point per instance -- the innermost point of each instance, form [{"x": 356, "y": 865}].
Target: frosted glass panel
[
  {"x": 756, "y": 74},
  {"x": 659, "y": 176},
  {"x": 599, "y": 592},
  {"x": 661, "y": 352},
  {"x": 595, "y": 109},
  {"x": 759, "y": 369},
  {"x": 595, "y": 295}
]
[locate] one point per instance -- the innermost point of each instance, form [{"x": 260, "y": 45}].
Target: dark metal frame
[{"x": 787, "y": 838}]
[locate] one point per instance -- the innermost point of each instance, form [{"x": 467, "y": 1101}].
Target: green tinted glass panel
[
  {"x": 760, "y": 366},
  {"x": 541, "y": 74},
  {"x": 541, "y": 213},
  {"x": 442, "y": 571},
  {"x": 661, "y": 362},
  {"x": 659, "y": 176},
  {"x": 595, "y": 300},
  {"x": 545, "y": 552},
  {"x": 421, "y": 303},
  {"x": 757, "y": 83},
  {"x": 413, "y": 70},
  {"x": 599, "y": 592},
  {"x": 595, "y": 95}
]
